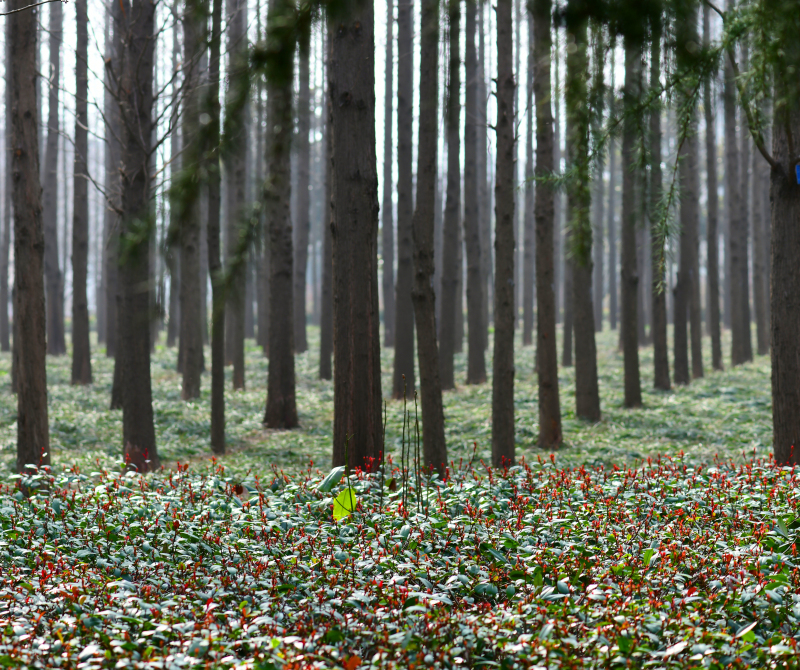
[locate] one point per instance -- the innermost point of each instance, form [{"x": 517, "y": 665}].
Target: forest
[{"x": 437, "y": 334}]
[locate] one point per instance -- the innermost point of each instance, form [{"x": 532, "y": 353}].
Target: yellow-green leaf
[{"x": 344, "y": 504}]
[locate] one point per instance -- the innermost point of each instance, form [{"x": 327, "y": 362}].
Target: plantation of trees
[{"x": 341, "y": 334}]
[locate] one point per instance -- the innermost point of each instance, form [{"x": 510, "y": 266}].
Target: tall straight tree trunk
[
  {"x": 434, "y": 447},
  {"x": 484, "y": 195},
  {"x": 598, "y": 197},
  {"x": 110, "y": 257},
  {"x": 712, "y": 216},
  {"x": 8, "y": 221},
  {"x": 281, "y": 411},
  {"x": 503, "y": 448},
  {"x": 546, "y": 356},
  {"x": 587, "y": 394},
  {"x": 387, "y": 218},
  {"x": 55, "y": 324},
  {"x": 476, "y": 363},
  {"x": 629, "y": 278},
  {"x": 135, "y": 96},
  {"x": 236, "y": 181},
  {"x": 302, "y": 222},
  {"x": 451, "y": 247},
  {"x": 326, "y": 294},
  {"x": 760, "y": 257},
  {"x": 81, "y": 355},
  {"x": 658, "y": 285},
  {"x": 529, "y": 239},
  {"x": 612, "y": 219},
  {"x": 356, "y": 317},
  {"x": 560, "y": 266},
  {"x": 173, "y": 252},
  {"x": 743, "y": 282},
  {"x": 33, "y": 437},
  {"x": 403, "y": 373}
]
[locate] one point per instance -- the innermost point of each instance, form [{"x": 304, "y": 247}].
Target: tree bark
[
  {"x": 712, "y": 217},
  {"x": 528, "y": 226},
  {"x": 434, "y": 447},
  {"x": 484, "y": 184},
  {"x": 8, "y": 221},
  {"x": 387, "y": 218},
  {"x": 629, "y": 278},
  {"x": 326, "y": 294},
  {"x": 356, "y": 316},
  {"x": 503, "y": 447},
  {"x": 760, "y": 254},
  {"x": 550, "y": 435},
  {"x": 611, "y": 223},
  {"x": 53, "y": 275},
  {"x": 302, "y": 221},
  {"x": 81, "y": 355},
  {"x": 598, "y": 197},
  {"x": 403, "y": 378},
  {"x": 112, "y": 187},
  {"x": 33, "y": 437},
  {"x": 452, "y": 212},
  {"x": 281, "y": 411}
]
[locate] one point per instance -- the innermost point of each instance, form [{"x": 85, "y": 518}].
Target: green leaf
[
  {"x": 332, "y": 479},
  {"x": 344, "y": 504}
]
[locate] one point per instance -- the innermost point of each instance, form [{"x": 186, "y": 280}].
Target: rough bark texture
[
  {"x": 135, "y": 96},
  {"x": 503, "y": 448},
  {"x": 451, "y": 246},
  {"x": 712, "y": 215},
  {"x": 33, "y": 437},
  {"x": 302, "y": 221},
  {"x": 8, "y": 222},
  {"x": 356, "y": 315},
  {"x": 629, "y": 277},
  {"x": 476, "y": 362},
  {"x": 546, "y": 356},
  {"x": 387, "y": 218},
  {"x": 403, "y": 378},
  {"x": 529, "y": 235},
  {"x": 434, "y": 447},
  {"x": 81, "y": 355},
  {"x": 281, "y": 411}
]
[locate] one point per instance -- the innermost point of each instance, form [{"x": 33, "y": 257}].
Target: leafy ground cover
[{"x": 666, "y": 565}]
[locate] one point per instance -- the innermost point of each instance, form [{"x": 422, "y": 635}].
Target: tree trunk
[
  {"x": 569, "y": 323},
  {"x": 81, "y": 355},
  {"x": 743, "y": 282},
  {"x": 403, "y": 378},
  {"x": 135, "y": 95},
  {"x": 484, "y": 195},
  {"x": 356, "y": 314},
  {"x": 5, "y": 244},
  {"x": 326, "y": 294},
  {"x": 712, "y": 217},
  {"x": 528, "y": 238},
  {"x": 281, "y": 411},
  {"x": 503, "y": 448},
  {"x": 760, "y": 254},
  {"x": 629, "y": 278},
  {"x": 33, "y": 437},
  {"x": 434, "y": 447},
  {"x": 387, "y": 219},
  {"x": 612, "y": 219},
  {"x": 55, "y": 324},
  {"x": 546, "y": 356},
  {"x": 658, "y": 285},
  {"x": 302, "y": 221},
  {"x": 450, "y": 247},
  {"x": 598, "y": 197}
]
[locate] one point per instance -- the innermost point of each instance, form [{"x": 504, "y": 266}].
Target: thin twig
[{"x": 22, "y": 9}]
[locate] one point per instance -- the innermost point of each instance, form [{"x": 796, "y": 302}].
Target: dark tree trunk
[
  {"x": 434, "y": 447},
  {"x": 658, "y": 285},
  {"x": 173, "y": 251},
  {"x": 387, "y": 218},
  {"x": 451, "y": 239},
  {"x": 612, "y": 227},
  {"x": 135, "y": 95},
  {"x": 528, "y": 238},
  {"x": 81, "y": 355},
  {"x": 743, "y": 281},
  {"x": 5, "y": 244},
  {"x": 356, "y": 315},
  {"x": 546, "y": 356},
  {"x": 760, "y": 253},
  {"x": 569, "y": 323},
  {"x": 503, "y": 448},
  {"x": 302, "y": 221},
  {"x": 598, "y": 197},
  {"x": 281, "y": 411},
  {"x": 712, "y": 217},
  {"x": 629, "y": 278},
  {"x": 33, "y": 437},
  {"x": 55, "y": 321},
  {"x": 326, "y": 294},
  {"x": 484, "y": 184},
  {"x": 560, "y": 266},
  {"x": 403, "y": 378}
]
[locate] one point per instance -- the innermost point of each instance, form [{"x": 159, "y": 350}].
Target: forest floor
[{"x": 726, "y": 414}]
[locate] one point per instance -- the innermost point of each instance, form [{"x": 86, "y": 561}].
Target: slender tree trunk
[
  {"x": 546, "y": 356},
  {"x": 55, "y": 326},
  {"x": 629, "y": 278},
  {"x": 528, "y": 238},
  {"x": 434, "y": 447},
  {"x": 8, "y": 222},
  {"x": 760, "y": 254},
  {"x": 569, "y": 323},
  {"x": 326, "y": 294},
  {"x": 387, "y": 218},
  {"x": 302, "y": 221},
  {"x": 451, "y": 247},
  {"x": 503, "y": 448},
  {"x": 712, "y": 217},
  {"x": 598, "y": 197},
  {"x": 33, "y": 437},
  {"x": 356, "y": 314},
  {"x": 281, "y": 411},
  {"x": 560, "y": 266},
  {"x": 403, "y": 379},
  {"x": 743, "y": 280},
  {"x": 135, "y": 95},
  {"x": 81, "y": 355},
  {"x": 484, "y": 194},
  {"x": 658, "y": 285},
  {"x": 611, "y": 222}
]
